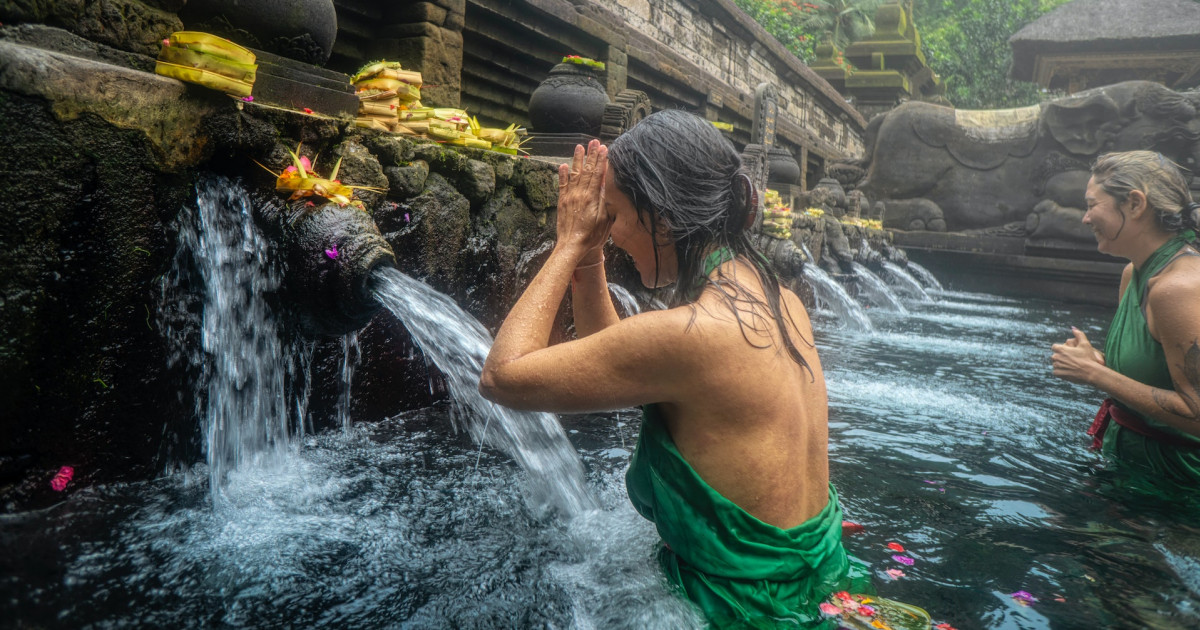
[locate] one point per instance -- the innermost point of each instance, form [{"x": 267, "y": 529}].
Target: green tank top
[{"x": 1132, "y": 351}]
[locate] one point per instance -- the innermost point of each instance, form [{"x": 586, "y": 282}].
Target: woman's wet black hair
[{"x": 682, "y": 174}]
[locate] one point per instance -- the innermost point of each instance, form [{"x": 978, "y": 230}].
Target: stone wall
[
  {"x": 722, "y": 41},
  {"x": 706, "y": 56}
]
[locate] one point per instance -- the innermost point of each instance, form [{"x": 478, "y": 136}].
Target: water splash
[
  {"x": 876, "y": 291},
  {"x": 625, "y": 299},
  {"x": 925, "y": 276},
  {"x": 222, "y": 267},
  {"x": 351, "y": 356},
  {"x": 905, "y": 282},
  {"x": 458, "y": 344},
  {"x": 832, "y": 297}
]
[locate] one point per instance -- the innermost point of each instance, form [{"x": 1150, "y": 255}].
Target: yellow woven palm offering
[{"x": 207, "y": 60}]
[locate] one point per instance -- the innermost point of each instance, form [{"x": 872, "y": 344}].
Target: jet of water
[
  {"x": 222, "y": 266},
  {"x": 458, "y": 345},
  {"x": 903, "y": 281},
  {"x": 876, "y": 290},
  {"x": 925, "y": 276},
  {"x": 625, "y": 299}
]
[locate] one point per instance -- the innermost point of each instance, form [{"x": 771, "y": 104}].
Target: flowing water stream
[{"x": 948, "y": 435}]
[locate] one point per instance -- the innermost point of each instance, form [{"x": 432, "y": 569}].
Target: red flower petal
[{"x": 895, "y": 546}]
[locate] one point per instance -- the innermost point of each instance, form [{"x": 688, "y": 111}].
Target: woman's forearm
[
  {"x": 1166, "y": 406},
  {"x": 527, "y": 327},
  {"x": 590, "y": 301}
]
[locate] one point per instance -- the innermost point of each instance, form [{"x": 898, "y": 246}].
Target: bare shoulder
[{"x": 1173, "y": 304}]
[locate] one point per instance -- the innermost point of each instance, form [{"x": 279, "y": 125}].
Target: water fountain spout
[{"x": 330, "y": 252}]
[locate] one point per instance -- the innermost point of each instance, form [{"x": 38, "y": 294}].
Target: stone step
[
  {"x": 299, "y": 66},
  {"x": 277, "y": 90}
]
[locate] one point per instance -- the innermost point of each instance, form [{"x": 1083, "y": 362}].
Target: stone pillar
[
  {"x": 427, "y": 37},
  {"x": 803, "y": 168},
  {"x": 712, "y": 106},
  {"x": 766, "y": 109},
  {"x": 616, "y": 66}
]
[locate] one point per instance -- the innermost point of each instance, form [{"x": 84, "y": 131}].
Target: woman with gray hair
[
  {"x": 732, "y": 463},
  {"x": 1140, "y": 209}
]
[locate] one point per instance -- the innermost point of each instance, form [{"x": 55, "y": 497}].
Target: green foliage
[
  {"x": 966, "y": 43},
  {"x": 846, "y": 20},
  {"x": 784, "y": 20}
]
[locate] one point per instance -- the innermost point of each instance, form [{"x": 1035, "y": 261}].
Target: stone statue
[{"x": 1020, "y": 171}]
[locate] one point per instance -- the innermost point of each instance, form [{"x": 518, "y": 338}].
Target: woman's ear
[{"x": 1137, "y": 203}]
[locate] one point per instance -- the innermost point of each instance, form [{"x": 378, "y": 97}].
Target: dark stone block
[
  {"x": 477, "y": 182},
  {"x": 555, "y": 144},
  {"x": 280, "y": 91},
  {"x": 406, "y": 181}
]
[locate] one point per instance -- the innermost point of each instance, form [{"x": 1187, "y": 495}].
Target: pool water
[{"x": 948, "y": 436}]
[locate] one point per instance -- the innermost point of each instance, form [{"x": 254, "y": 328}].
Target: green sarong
[
  {"x": 740, "y": 571},
  {"x": 1132, "y": 351}
]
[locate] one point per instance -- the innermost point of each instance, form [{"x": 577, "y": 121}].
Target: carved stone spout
[{"x": 330, "y": 252}]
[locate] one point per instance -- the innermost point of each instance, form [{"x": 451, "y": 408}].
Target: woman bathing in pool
[
  {"x": 731, "y": 464},
  {"x": 1140, "y": 209}
]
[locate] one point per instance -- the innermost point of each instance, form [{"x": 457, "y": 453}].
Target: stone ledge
[{"x": 166, "y": 110}]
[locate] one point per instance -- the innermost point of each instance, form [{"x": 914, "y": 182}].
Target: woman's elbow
[{"x": 494, "y": 387}]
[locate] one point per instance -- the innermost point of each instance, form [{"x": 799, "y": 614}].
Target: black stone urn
[
  {"x": 570, "y": 100},
  {"x": 783, "y": 167},
  {"x": 298, "y": 29},
  {"x": 834, "y": 187}
]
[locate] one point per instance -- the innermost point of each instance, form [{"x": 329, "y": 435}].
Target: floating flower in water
[
  {"x": 332, "y": 252},
  {"x": 850, "y": 528},
  {"x": 829, "y": 609},
  {"x": 895, "y": 546},
  {"x": 307, "y": 110},
  {"x": 62, "y": 478},
  {"x": 248, "y": 99},
  {"x": 905, "y": 560},
  {"x": 944, "y": 626},
  {"x": 895, "y": 574},
  {"x": 1023, "y": 598},
  {"x": 406, "y": 219}
]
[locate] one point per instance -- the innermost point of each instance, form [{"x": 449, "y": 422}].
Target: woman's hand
[
  {"x": 1075, "y": 360},
  {"x": 583, "y": 221}
]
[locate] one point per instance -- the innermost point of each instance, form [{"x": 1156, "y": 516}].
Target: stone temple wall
[
  {"x": 709, "y": 34},
  {"x": 705, "y": 56}
]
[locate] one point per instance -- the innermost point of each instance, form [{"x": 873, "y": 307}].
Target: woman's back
[{"x": 752, "y": 422}]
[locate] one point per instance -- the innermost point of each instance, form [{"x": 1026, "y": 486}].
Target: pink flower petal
[
  {"x": 62, "y": 478},
  {"x": 1023, "y": 597},
  {"x": 905, "y": 560},
  {"x": 895, "y": 574},
  {"x": 829, "y": 609}
]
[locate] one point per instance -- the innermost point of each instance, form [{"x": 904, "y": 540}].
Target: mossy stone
[{"x": 406, "y": 181}]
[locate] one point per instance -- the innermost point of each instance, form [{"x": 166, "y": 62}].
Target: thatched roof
[{"x": 1107, "y": 26}]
